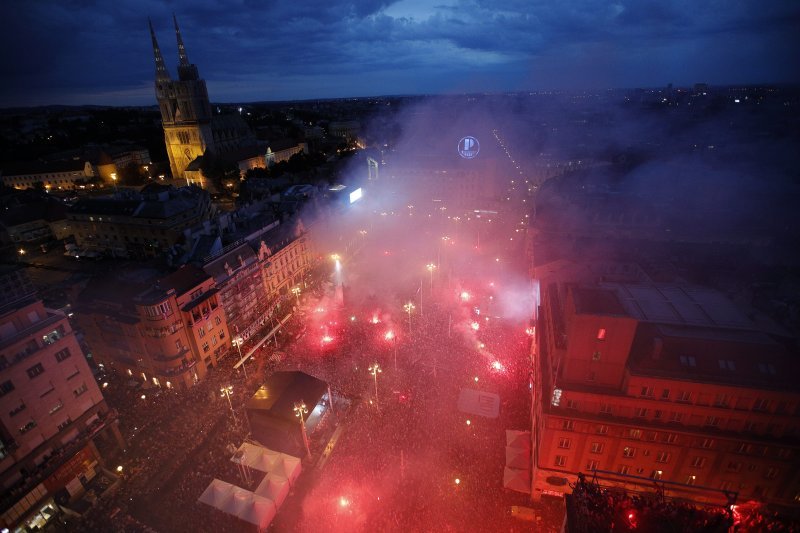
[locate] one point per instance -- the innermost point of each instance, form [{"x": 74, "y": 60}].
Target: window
[
  {"x": 656, "y": 474},
  {"x": 688, "y": 360},
  {"x": 205, "y": 346},
  {"x": 744, "y": 448},
  {"x": 602, "y": 430},
  {"x": 564, "y": 443},
  {"x": 605, "y": 409},
  {"x": 662, "y": 457},
  {"x": 671, "y": 438},
  {"x": 27, "y": 427},
  {"x": 665, "y": 394},
  {"x": 592, "y": 465},
  {"x": 561, "y": 460},
  {"x": 217, "y": 320},
  {"x": 707, "y": 444},
  {"x": 761, "y": 404},
  {"x": 624, "y": 469},
  {"x": 734, "y": 466},
  {"x": 684, "y": 396},
  {"x": 721, "y": 400},
  {"x": 675, "y": 416},
  {"x": 62, "y": 354},
  {"x": 35, "y": 370},
  {"x": 601, "y": 334},
  {"x": 221, "y": 334},
  {"x": 771, "y": 473},
  {"x": 646, "y": 391},
  {"x": 56, "y": 407},
  {"x": 568, "y": 425},
  {"x": 201, "y": 332},
  {"x": 690, "y": 480},
  {"x": 597, "y": 447},
  {"x": 18, "y": 409},
  {"x": 65, "y": 424},
  {"x": 80, "y": 390},
  {"x": 634, "y": 433},
  {"x": 596, "y": 356},
  {"x": 712, "y": 421},
  {"x": 766, "y": 368},
  {"x": 698, "y": 462},
  {"x": 640, "y": 412},
  {"x": 214, "y": 340},
  {"x": 658, "y": 414},
  {"x": 628, "y": 452},
  {"x": 6, "y": 387}
]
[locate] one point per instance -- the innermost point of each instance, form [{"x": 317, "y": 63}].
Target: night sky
[{"x": 99, "y": 52}]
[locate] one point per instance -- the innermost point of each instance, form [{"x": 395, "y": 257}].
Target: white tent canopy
[
  {"x": 518, "y": 439},
  {"x": 518, "y": 458},
  {"x": 268, "y": 461},
  {"x": 218, "y": 494},
  {"x": 519, "y": 480},
  {"x": 275, "y": 488}
]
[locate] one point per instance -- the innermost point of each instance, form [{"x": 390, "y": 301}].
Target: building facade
[
  {"x": 665, "y": 382},
  {"x": 52, "y": 414},
  {"x": 166, "y": 332},
  {"x": 142, "y": 224},
  {"x": 55, "y": 176}
]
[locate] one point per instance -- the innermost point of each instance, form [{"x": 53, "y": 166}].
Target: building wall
[
  {"x": 66, "y": 180},
  {"x": 679, "y": 429}
]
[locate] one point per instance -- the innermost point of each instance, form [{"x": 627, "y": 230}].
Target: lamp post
[
  {"x": 408, "y": 308},
  {"x": 431, "y": 267},
  {"x": 238, "y": 341},
  {"x": 226, "y": 392},
  {"x": 296, "y": 292},
  {"x": 390, "y": 336},
  {"x": 299, "y": 410},
  {"x": 114, "y": 179},
  {"x": 375, "y": 370}
]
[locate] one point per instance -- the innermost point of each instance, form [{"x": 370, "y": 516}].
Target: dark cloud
[{"x": 99, "y": 52}]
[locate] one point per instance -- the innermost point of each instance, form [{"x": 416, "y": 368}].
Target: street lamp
[
  {"x": 299, "y": 410},
  {"x": 408, "y": 308},
  {"x": 431, "y": 267},
  {"x": 114, "y": 179},
  {"x": 238, "y": 341},
  {"x": 375, "y": 370},
  {"x": 226, "y": 392},
  {"x": 296, "y": 292},
  {"x": 390, "y": 336}
]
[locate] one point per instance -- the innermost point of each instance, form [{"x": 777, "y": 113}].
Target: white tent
[
  {"x": 519, "y": 480},
  {"x": 518, "y": 439},
  {"x": 275, "y": 488},
  {"x": 218, "y": 494},
  {"x": 518, "y": 458},
  {"x": 256, "y": 457},
  {"x": 287, "y": 467},
  {"x": 259, "y": 511}
]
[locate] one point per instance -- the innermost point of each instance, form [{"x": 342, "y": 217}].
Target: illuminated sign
[
  {"x": 468, "y": 147},
  {"x": 356, "y": 195}
]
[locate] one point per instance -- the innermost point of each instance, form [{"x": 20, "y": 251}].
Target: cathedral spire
[
  {"x": 183, "y": 60},
  {"x": 161, "y": 68}
]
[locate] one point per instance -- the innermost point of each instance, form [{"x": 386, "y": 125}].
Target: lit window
[
  {"x": 601, "y": 334},
  {"x": 561, "y": 460},
  {"x": 628, "y": 452}
]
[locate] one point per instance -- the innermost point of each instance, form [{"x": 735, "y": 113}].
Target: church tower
[{"x": 185, "y": 108}]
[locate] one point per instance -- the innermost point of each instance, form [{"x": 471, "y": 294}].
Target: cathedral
[{"x": 191, "y": 130}]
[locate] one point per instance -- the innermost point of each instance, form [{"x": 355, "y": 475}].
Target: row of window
[
  {"x": 670, "y": 438},
  {"x": 770, "y": 472}
]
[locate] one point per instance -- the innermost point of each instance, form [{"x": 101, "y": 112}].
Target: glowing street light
[
  {"x": 226, "y": 392},
  {"x": 431, "y": 267},
  {"x": 464, "y": 296},
  {"x": 375, "y": 370},
  {"x": 408, "y": 308},
  {"x": 114, "y": 179},
  {"x": 238, "y": 341},
  {"x": 296, "y": 292},
  {"x": 299, "y": 410}
]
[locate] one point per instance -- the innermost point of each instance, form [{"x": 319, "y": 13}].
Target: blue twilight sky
[{"x": 99, "y": 52}]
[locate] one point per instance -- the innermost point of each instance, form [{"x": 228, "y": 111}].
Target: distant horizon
[{"x": 154, "y": 105}]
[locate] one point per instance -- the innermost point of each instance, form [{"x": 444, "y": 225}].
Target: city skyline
[{"x": 93, "y": 54}]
